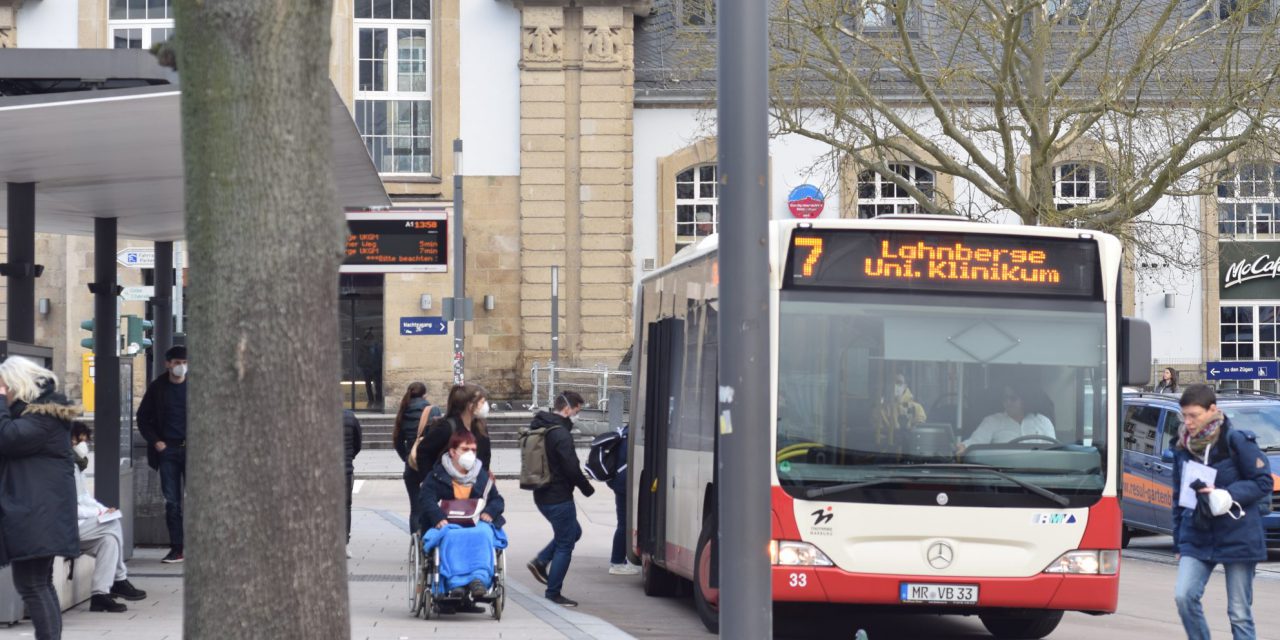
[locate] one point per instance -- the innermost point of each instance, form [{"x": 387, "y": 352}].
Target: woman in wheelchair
[{"x": 462, "y": 514}]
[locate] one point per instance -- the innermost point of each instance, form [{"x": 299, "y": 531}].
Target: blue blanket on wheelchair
[{"x": 466, "y": 553}]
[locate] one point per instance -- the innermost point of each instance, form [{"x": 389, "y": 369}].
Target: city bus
[{"x": 943, "y": 419}]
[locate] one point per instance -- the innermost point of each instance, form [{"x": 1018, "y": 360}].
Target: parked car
[{"x": 1150, "y": 429}]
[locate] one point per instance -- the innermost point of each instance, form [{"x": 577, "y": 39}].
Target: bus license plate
[{"x": 940, "y": 593}]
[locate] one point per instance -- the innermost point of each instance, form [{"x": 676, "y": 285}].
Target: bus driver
[{"x": 1014, "y": 422}]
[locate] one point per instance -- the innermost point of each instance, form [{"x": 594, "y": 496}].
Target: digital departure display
[
  {"x": 944, "y": 262},
  {"x": 383, "y": 242}
]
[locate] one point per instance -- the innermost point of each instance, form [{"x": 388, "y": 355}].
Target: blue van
[{"x": 1151, "y": 422}]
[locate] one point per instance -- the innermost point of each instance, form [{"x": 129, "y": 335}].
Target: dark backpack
[
  {"x": 608, "y": 456},
  {"x": 535, "y": 466}
]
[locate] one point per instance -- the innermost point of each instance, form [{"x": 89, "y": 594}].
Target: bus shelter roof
[{"x": 116, "y": 151}]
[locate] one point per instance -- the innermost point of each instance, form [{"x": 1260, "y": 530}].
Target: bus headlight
[
  {"x": 797, "y": 554},
  {"x": 1090, "y": 562}
]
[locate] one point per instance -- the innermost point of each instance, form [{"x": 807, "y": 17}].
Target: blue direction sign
[
  {"x": 1263, "y": 370},
  {"x": 423, "y": 326}
]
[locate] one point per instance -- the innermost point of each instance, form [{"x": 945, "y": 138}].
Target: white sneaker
[
  {"x": 348, "y": 552},
  {"x": 623, "y": 569}
]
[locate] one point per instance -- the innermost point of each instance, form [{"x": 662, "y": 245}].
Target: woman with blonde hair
[{"x": 37, "y": 487}]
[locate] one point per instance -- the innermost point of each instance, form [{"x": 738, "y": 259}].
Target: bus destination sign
[
  {"x": 396, "y": 242},
  {"x": 946, "y": 262}
]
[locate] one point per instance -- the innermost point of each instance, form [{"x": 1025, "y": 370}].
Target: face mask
[
  {"x": 82, "y": 455},
  {"x": 180, "y": 370},
  {"x": 899, "y": 389},
  {"x": 467, "y": 460},
  {"x": 482, "y": 411},
  {"x": 573, "y": 418}
]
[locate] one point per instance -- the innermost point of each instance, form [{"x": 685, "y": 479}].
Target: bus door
[{"x": 662, "y": 347}]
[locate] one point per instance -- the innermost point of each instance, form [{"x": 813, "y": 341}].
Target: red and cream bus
[{"x": 943, "y": 420}]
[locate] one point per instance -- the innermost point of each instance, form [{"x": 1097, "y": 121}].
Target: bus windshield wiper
[
  {"x": 818, "y": 492},
  {"x": 1056, "y": 498}
]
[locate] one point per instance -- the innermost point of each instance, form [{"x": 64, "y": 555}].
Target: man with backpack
[
  {"x": 550, "y": 466},
  {"x": 607, "y": 463}
]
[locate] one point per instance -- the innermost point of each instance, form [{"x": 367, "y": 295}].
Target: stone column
[
  {"x": 576, "y": 91},
  {"x": 9, "y": 23}
]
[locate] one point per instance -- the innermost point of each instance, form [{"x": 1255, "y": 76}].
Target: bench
[{"x": 72, "y": 579}]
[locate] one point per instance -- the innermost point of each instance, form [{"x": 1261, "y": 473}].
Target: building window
[
  {"x": 1260, "y": 13},
  {"x": 139, "y": 24},
  {"x": 697, "y": 204},
  {"x": 876, "y": 15},
  {"x": 698, "y": 14},
  {"x": 1247, "y": 201},
  {"x": 1076, "y": 183},
  {"x": 393, "y": 83},
  {"x": 1068, "y": 12},
  {"x": 1250, "y": 332},
  {"x": 878, "y": 195}
]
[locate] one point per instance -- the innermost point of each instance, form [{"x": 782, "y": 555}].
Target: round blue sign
[{"x": 806, "y": 201}]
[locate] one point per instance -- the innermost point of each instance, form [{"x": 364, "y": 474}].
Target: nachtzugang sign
[{"x": 1249, "y": 271}]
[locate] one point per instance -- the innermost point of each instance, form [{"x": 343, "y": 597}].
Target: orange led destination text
[{"x": 960, "y": 262}]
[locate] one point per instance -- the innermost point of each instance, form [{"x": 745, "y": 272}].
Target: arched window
[
  {"x": 1247, "y": 200},
  {"x": 878, "y": 195},
  {"x": 697, "y": 204},
  {"x": 1077, "y": 183}
]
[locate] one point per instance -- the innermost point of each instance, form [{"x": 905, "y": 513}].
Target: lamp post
[{"x": 459, "y": 269}]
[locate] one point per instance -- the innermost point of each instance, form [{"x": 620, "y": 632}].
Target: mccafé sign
[{"x": 1249, "y": 270}]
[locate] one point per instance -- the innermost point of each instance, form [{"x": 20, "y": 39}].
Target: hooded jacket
[
  {"x": 566, "y": 469},
  {"x": 1245, "y": 472},
  {"x": 37, "y": 480}
]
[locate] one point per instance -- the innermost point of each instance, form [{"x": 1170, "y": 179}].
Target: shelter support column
[
  {"x": 21, "y": 268},
  {"x": 162, "y": 307},
  {"x": 106, "y": 363}
]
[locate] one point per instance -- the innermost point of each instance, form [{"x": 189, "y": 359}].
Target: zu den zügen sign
[
  {"x": 944, "y": 262},
  {"x": 1249, "y": 270},
  {"x": 397, "y": 242}
]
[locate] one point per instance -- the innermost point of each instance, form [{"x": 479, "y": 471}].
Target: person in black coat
[
  {"x": 413, "y": 416},
  {"x": 555, "y": 501},
  {"x": 162, "y": 421},
  {"x": 37, "y": 487},
  {"x": 467, "y": 410},
  {"x": 352, "y": 441}
]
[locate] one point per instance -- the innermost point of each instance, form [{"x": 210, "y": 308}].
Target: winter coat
[
  {"x": 37, "y": 480},
  {"x": 409, "y": 424},
  {"x": 436, "y": 440},
  {"x": 1245, "y": 472},
  {"x": 352, "y": 438},
  {"x": 566, "y": 469},
  {"x": 438, "y": 486},
  {"x": 152, "y": 416}
]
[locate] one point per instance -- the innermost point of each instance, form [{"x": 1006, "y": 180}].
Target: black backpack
[{"x": 608, "y": 456}]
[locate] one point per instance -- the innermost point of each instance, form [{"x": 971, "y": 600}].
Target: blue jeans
[
  {"x": 619, "y": 486},
  {"x": 173, "y": 478},
  {"x": 559, "y": 552},
  {"x": 1193, "y": 574}
]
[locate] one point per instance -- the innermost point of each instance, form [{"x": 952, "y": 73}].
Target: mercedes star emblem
[{"x": 940, "y": 555}]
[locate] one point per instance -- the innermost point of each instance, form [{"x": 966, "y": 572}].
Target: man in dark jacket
[
  {"x": 353, "y": 440},
  {"x": 1241, "y": 470},
  {"x": 162, "y": 421},
  {"x": 555, "y": 501}
]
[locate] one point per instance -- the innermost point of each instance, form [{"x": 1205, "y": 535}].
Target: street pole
[
  {"x": 459, "y": 268},
  {"x": 743, "y": 457},
  {"x": 555, "y": 335}
]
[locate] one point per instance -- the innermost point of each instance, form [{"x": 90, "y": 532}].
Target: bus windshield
[{"x": 902, "y": 398}]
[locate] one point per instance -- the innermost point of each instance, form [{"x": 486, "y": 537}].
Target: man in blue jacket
[{"x": 1234, "y": 539}]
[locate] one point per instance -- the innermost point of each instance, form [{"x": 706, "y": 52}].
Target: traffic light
[
  {"x": 136, "y": 340},
  {"x": 87, "y": 343}
]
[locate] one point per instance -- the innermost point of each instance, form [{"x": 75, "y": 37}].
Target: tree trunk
[{"x": 264, "y": 517}]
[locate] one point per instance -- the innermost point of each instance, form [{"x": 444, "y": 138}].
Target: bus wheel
[
  {"x": 703, "y": 592},
  {"x": 1024, "y": 626},
  {"x": 658, "y": 582}
]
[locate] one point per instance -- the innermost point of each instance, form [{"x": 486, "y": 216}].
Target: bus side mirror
[{"x": 1135, "y": 352}]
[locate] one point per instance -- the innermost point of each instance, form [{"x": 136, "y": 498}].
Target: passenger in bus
[
  {"x": 1015, "y": 421},
  {"x": 896, "y": 413}
]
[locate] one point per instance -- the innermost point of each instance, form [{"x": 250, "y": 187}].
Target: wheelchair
[{"x": 426, "y": 593}]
